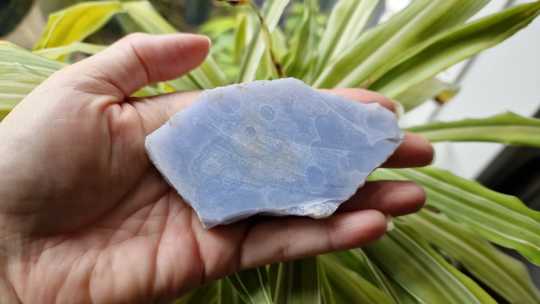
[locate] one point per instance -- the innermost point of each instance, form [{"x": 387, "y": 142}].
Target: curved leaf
[
  {"x": 250, "y": 63},
  {"x": 147, "y": 17},
  {"x": 303, "y": 44},
  {"x": 507, "y": 276},
  {"x": 20, "y": 72},
  {"x": 347, "y": 21},
  {"x": 349, "y": 287},
  {"x": 432, "y": 88},
  {"x": 207, "y": 76},
  {"x": 56, "y": 53},
  {"x": 502, "y": 219},
  {"x": 507, "y": 128},
  {"x": 77, "y": 22},
  {"x": 387, "y": 44},
  {"x": 296, "y": 282},
  {"x": 357, "y": 261},
  {"x": 451, "y": 47},
  {"x": 422, "y": 272},
  {"x": 252, "y": 286}
]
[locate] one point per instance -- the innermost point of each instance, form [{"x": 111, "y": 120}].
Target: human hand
[{"x": 86, "y": 218}]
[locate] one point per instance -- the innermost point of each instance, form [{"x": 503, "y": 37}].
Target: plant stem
[{"x": 268, "y": 37}]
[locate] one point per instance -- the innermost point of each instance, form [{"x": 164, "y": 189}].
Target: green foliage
[
  {"x": 495, "y": 269},
  {"x": 423, "y": 272},
  {"x": 506, "y": 128},
  {"x": 499, "y": 218},
  {"x": 20, "y": 72},
  {"x": 422, "y": 259}
]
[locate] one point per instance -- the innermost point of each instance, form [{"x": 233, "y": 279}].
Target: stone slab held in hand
[{"x": 271, "y": 147}]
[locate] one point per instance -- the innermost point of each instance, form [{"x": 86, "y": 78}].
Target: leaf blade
[
  {"x": 505, "y": 275},
  {"x": 454, "y": 46},
  {"x": 507, "y": 128},
  {"x": 502, "y": 219},
  {"x": 422, "y": 272},
  {"x": 257, "y": 47},
  {"x": 382, "y": 47},
  {"x": 77, "y": 22}
]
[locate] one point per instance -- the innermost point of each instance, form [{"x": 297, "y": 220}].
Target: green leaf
[
  {"x": 349, "y": 287},
  {"x": 252, "y": 286},
  {"x": 207, "y": 76},
  {"x": 296, "y": 282},
  {"x": 208, "y": 294},
  {"x": 431, "y": 88},
  {"x": 454, "y": 46},
  {"x": 382, "y": 47},
  {"x": 423, "y": 272},
  {"x": 357, "y": 261},
  {"x": 500, "y": 218},
  {"x": 146, "y": 16},
  {"x": 507, "y": 128},
  {"x": 347, "y": 21},
  {"x": 218, "y": 26},
  {"x": 250, "y": 63},
  {"x": 303, "y": 43},
  {"x": 226, "y": 294},
  {"x": 241, "y": 36},
  {"x": 57, "y": 53},
  {"x": 327, "y": 292},
  {"x": 507, "y": 276},
  {"x": 77, "y": 22},
  {"x": 20, "y": 72}
]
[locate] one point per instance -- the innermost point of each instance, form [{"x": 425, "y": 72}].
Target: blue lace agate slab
[{"x": 272, "y": 147}]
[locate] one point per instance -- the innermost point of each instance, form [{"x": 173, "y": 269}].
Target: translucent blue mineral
[{"x": 272, "y": 147}]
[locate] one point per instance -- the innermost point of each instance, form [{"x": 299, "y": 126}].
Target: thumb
[{"x": 141, "y": 59}]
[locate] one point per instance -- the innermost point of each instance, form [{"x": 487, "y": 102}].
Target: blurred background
[{"x": 506, "y": 78}]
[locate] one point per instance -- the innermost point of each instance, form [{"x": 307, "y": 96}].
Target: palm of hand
[{"x": 93, "y": 221}]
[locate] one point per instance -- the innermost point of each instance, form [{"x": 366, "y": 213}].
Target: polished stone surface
[{"x": 273, "y": 147}]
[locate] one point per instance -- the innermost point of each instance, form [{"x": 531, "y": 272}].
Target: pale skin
[{"x": 86, "y": 218}]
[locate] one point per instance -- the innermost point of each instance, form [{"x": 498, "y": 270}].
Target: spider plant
[{"x": 447, "y": 253}]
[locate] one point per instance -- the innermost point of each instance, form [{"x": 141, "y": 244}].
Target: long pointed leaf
[
  {"x": 250, "y": 63},
  {"x": 507, "y": 276},
  {"x": 422, "y": 272},
  {"x": 296, "y": 282},
  {"x": 454, "y": 46},
  {"x": 252, "y": 286},
  {"x": 20, "y": 72},
  {"x": 347, "y": 21},
  {"x": 349, "y": 287},
  {"x": 380, "y": 48},
  {"x": 303, "y": 43},
  {"x": 57, "y": 53},
  {"x": 507, "y": 128},
  {"x": 146, "y": 16},
  {"x": 208, "y": 76},
  {"x": 357, "y": 261},
  {"x": 432, "y": 88},
  {"x": 500, "y": 218},
  {"x": 77, "y": 22}
]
